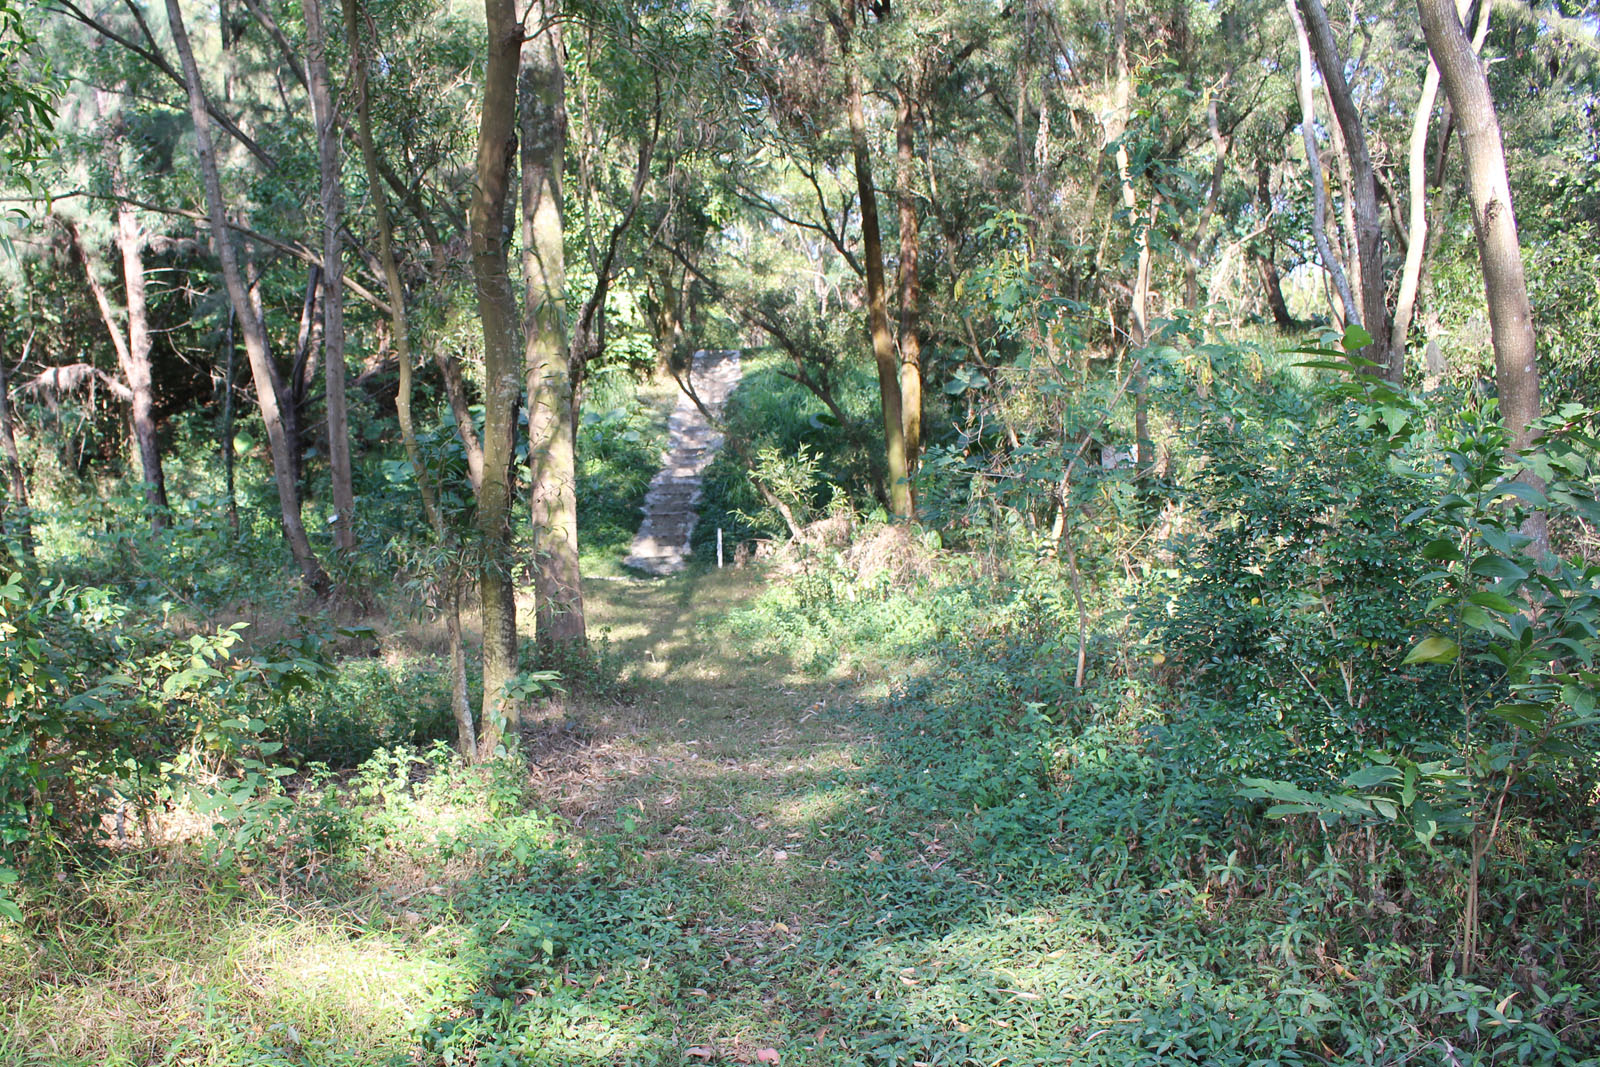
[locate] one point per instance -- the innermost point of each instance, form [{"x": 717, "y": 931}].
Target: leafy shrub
[
  {"x": 619, "y": 451},
  {"x": 772, "y": 414},
  {"x": 1289, "y": 600}
]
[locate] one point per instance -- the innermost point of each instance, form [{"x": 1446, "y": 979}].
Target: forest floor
[{"x": 728, "y": 867}]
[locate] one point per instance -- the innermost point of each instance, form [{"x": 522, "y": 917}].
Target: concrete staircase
[{"x": 662, "y": 544}]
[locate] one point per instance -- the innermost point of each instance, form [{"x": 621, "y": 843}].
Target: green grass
[
  {"x": 620, "y": 444},
  {"x": 847, "y": 864}
]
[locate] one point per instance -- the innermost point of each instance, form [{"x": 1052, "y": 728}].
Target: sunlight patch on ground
[{"x": 357, "y": 985}]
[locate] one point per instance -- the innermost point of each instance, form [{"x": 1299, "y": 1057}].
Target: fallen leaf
[
  {"x": 701, "y": 1052},
  {"x": 874, "y": 855},
  {"x": 767, "y": 1055}
]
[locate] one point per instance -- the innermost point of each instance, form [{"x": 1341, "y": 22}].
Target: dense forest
[{"x": 843, "y": 532}]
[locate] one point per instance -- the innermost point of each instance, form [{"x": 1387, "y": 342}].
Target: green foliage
[
  {"x": 1289, "y": 597},
  {"x": 94, "y": 702},
  {"x": 772, "y": 415},
  {"x": 620, "y": 440}
]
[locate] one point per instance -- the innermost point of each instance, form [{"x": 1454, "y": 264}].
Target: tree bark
[
  {"x": 333, "y": 338},
  {"x": 1319, "y": 191},
  {"x": 17, "y": 486},
  {"x": 1138, "y": 309},
  {"x": 1191, "y": 248},
  {"x": 552, "y": 448},
  {"x": 450, "y": 581},
  {"x": 1363, "y": 190},
  {"x": 132, "y": 349},
  {"x": 883, "y": 353},
  {"x": 1494, "y": 221},
  {"x": 1423, "y": 225},
  {"x": 135, "y": 356},
  {"x": 1417, "y": 211},
  {"x": 910, "y": 254},
  {"x": 255, "y": 334},
  {"x": 497, "y": 309},
  {"x": 227, "y": 423}
]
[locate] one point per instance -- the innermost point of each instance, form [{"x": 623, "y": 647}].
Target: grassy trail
[
  {"x": 743, "y": 862},
  {"x": 730, "y": 790}
]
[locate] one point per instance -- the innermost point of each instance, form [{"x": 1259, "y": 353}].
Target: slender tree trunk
[
  {"x": 1191, "y": 248},
  {"x": 137, "y": 371},
  {"x": 1139, "y": 304},
  {"x": 1423, "y": 225},
  {"x": 1494, "y": 221},
  {"x": 910, "y": 294},
  {"x": 1266, "y": 261},
  {"x": 327, "y": 129},
  {"x": 497, "y": 309},
  {"x": 450, "y": 579},
  {"x": 1417, "y": 223},
  {"x": 552, "y": 449},
  {"x": 460, "y": 700},
  {"x": 1363, "y": 190},
  {"x": 303, "y": 369},
  {"x": 883, "y": 353},
  {"x": 1272, "y": 286},
  {"x": 134, "y": 363},
  {"x": 255, "y": 334},
  {"x": 1351, "y": 312},
  {"x": 17, "y": 486},
  {"x": 134, "y": 357},
  {"x": 227, "y": 423}
]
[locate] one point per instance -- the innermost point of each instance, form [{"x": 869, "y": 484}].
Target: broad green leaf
[
  {"x": 1494, "y": 566},
  {"x": 1372, "y": 777},
  {"x": 1522, "y": 491},
  {"x": 1494, "y": 602},
  {"x": 1355, "y": 337},
  {"x": 1441, "y": 549},
  {"x": 1528, "y": 716},
  {"x": 1578, "y": 698},
  {"x": 1433, "y": 650}
]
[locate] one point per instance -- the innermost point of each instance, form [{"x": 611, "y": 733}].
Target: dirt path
[
  {"x": 662, "y": 545},
  {"x": 717, "y": 794}
]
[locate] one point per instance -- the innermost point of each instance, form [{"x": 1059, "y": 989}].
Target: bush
[{"x": 1290, "y": 599}]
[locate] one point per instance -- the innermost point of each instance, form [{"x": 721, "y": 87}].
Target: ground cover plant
[{"x": 1144, "y": 592}]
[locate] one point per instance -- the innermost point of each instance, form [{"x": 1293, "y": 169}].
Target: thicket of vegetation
[{"x": 1160, "y": 506}]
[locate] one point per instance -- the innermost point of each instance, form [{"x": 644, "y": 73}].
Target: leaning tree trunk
[
  {"x": 327, "y": 129},
  {"x": 1319, "y": 191},
  {"x": 1363, "y": 190},
  {"x": 497, "y": 309},
  {"x": 552, "y": 449},
  {"x": 255, "y": 334},
  {"x": 883, "y": 354},
  {"x": 1494, "y": 222}
]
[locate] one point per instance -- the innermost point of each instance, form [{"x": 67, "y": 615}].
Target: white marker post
[{"x": 719, "y": 548}]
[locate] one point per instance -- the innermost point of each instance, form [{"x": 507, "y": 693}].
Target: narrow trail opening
[{"x": 662, "y": 545}]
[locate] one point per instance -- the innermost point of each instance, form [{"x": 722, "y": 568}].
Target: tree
[
  {"x": 1494, "y": 223},
  {"x": 844, "y": 21},
  {"x": 1362, "y": 191},
  {"x": 460, "y": 704},
  {"x": 552, "y": 415},
  {"x": 269, "y": 391},
  {"x": 497, "y": 310},
  {"x": 326, "y": 124}
]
